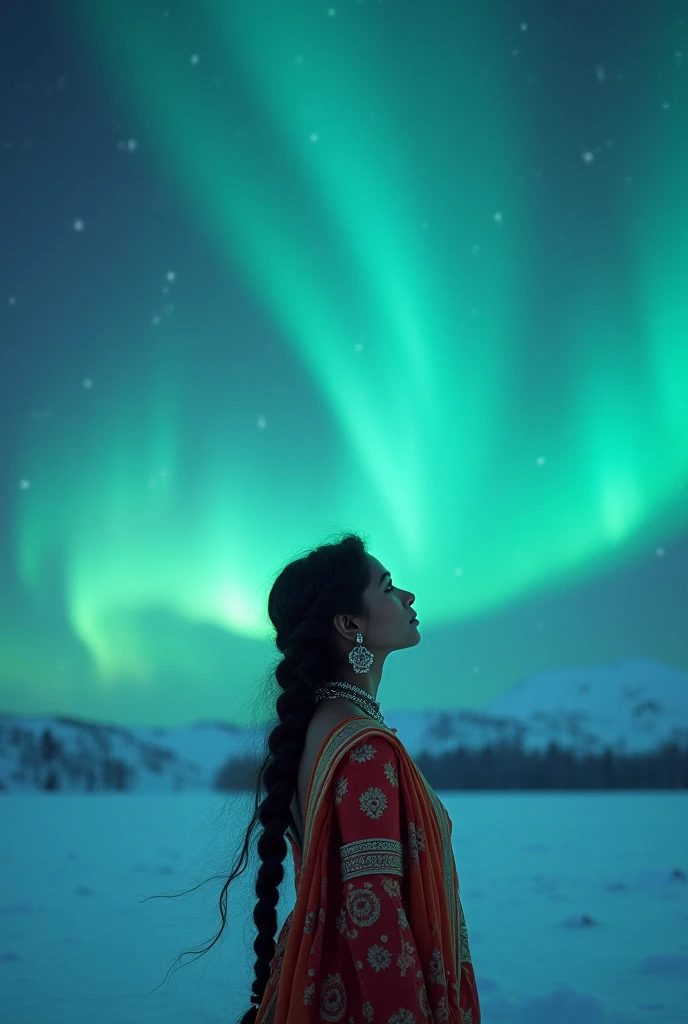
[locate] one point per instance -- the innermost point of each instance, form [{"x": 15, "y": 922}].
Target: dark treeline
[{"x": 507, "y": 766}]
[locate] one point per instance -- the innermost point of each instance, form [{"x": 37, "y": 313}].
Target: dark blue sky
[{"x": 415, "y": 272}]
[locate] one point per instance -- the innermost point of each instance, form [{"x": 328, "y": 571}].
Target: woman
[{"x": 377, "y": 933}]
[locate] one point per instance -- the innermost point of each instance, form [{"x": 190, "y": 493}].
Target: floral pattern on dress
[{"x": 369, "y": 970}]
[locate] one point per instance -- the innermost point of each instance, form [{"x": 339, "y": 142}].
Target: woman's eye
[{"x": 389, "y": 588}]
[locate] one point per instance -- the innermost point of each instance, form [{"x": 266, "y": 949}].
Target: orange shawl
[{"x": 431, "y": 885}]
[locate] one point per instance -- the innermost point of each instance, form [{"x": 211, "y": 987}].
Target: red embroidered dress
[{"x": 380, "y": 943}]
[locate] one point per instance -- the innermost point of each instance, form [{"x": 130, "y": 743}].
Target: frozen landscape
[{"x": 576, "y": 901}]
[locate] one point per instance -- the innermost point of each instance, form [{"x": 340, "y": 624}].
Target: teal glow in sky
[{"x": 282, "y": 270}]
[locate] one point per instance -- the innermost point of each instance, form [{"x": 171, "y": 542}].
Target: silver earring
[{"x": 360, "y": 657}]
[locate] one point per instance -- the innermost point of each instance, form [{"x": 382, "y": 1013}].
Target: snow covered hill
[{"x": 631, "y": 707}]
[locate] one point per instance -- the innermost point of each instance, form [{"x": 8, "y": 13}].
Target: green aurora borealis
[{"x": 420, "y": 286}]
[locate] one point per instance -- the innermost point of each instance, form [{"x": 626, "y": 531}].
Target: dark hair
[{"x": 303, "y": 599}]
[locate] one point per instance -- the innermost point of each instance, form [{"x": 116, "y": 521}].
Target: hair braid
[{"x": 295, "y": 707}]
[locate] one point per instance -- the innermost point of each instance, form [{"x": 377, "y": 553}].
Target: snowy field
[{"x": 576, "y": 905}]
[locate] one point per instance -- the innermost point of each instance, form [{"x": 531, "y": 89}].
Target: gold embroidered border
[{"x": 372, "y": 857}]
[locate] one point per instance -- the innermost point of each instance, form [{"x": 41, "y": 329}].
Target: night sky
[{"x": 273, "y": 271}]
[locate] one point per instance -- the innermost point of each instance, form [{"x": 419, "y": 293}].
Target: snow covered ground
[
  {"x": 576, "y": 905},
  {"x": 576, "y": 901}
]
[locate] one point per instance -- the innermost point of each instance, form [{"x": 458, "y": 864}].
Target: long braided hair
[{"x": 306, "y": 595}]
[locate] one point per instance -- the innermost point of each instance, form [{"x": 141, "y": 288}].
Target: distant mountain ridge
[{"x": 627, "y": 708}]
